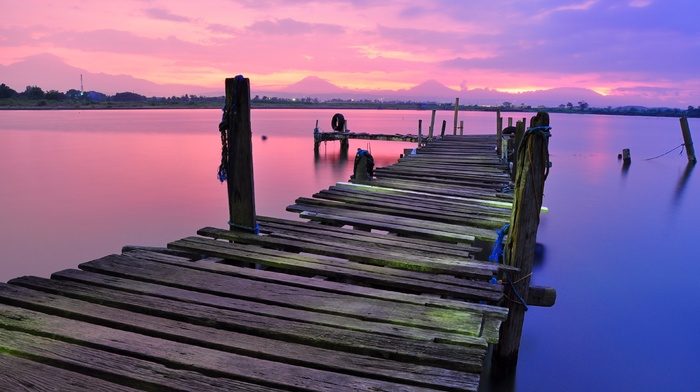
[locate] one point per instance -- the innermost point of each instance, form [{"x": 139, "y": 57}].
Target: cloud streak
[{"x": 640, "y": 49}]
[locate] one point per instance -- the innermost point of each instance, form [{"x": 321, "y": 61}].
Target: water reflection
[
  {"x": 625, "y": 168},
  {"x": 682, "y": 183}
]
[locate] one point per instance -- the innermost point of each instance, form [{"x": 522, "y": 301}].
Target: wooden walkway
[{"x": 378, "y": 288}]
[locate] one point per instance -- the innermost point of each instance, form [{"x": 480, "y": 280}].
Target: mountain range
[{"x": 51, "y": 73}]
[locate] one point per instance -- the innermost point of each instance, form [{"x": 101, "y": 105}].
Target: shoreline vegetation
[{"x": 34, "y": 98}]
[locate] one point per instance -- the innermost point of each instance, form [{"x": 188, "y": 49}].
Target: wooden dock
[
  {"x": 302, "y": 306},
  {"x": 381, "y": 286}
]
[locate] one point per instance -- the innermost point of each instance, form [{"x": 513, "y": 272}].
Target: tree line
[
  {"x": 36, "y": 96},
  {"x": 40, "y": 97}
]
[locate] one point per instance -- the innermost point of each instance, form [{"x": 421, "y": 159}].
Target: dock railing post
[
  {"x": 499, "y": 134},
  {"x": 456, "y": 114},
  {"x": 519, "y": 251},
  {"x": 420, "y": 133},
  {"x": 432, "y": 126},
  {"x": 688, "y": 140},
  {"x": 519, "y": 132},
  {"x": 241, "y": 194}
]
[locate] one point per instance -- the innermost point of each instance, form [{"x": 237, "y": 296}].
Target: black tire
[{"x": 338, "y": 122}]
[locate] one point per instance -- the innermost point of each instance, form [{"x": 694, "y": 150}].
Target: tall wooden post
[
  {"x": 432, "y": 125},
  {"x": 519, "y": 251},
  {"x": 420, "y": 131},
  {"x": 519, "y": 132},
  {"x": 456, "y": 112},
  {"x": 499, "y": 134},
  {"x": 688, "y": 140},
  {"x": 241, "y": 195}
]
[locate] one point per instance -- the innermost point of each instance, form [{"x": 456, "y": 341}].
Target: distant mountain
[
  {"x": 51, "y": 73},
  {"x": 314, "y": 85},
  {"x": 429, "y": 90}
]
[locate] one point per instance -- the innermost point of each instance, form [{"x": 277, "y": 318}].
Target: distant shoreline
[{"x": 48, "y": 105}]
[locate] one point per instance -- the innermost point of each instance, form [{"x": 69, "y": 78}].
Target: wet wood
[
  {"x": 519, "y": 251},
  {"x": 310, "y": 304}
]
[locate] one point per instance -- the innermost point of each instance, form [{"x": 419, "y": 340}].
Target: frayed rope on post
[
  {"x": 682, "y": 147},
  {"x": 255, "y": 230},
  {"x": 224, "y": 126},
  {"x": 497, "y": 252},
  {"x": 512, "y": 287},
  {"x": 498, "y": 245}
]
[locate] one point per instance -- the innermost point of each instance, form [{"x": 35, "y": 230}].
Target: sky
[{"x": 641, "y": 50}]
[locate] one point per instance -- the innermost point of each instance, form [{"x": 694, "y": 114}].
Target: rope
[
  {"x": 254, "y": 230},
  {"x": 512, "y": 287},
  {"x": 497, "y": 252},
  {"x": 222, "y": 174},
  {"x": 668, "y": 152},
  {"x": 508, "y": 189},
  {"x": 224, "y": 126}
]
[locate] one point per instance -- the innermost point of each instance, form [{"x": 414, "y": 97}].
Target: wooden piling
[
  {"x": 456, "y": 113},
  {"x": 432, "y": 125},
  {"x": 688, "y": 140},
  {"x": 533, "y": 163},
  {"x": 626, "y": 156},
  {"x": 444, "y": 125},
  {"x": 499, "y": 134},
  {"x": 519, "y": 132},
  {"x": 461, "y": 127},
  {"x": 241, "y": 195},
  {"x": 420, "y": 131}
]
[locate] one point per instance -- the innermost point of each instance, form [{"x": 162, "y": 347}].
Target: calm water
[{"x": 618, "y": 244}]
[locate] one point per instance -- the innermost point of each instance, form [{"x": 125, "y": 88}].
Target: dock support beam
[
  {"x": 499, "y": 134},
  {"x": 456, "y": 114},
  {"x": 420, "y": 133},
  {"x": 688, "y": 140},
  {"x": 533, "y": 166},
  {"x": 241, "y": 194}
]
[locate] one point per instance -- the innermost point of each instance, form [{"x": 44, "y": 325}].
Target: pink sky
[{"x": 647, "y": 50}]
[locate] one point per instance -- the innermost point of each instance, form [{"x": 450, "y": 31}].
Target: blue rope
[
  {"x": 254, "y": 230},
  {"x": 512, "y": 287},
  {"x": 497, "y": 252},
  {"x": 498, "y": 245}
]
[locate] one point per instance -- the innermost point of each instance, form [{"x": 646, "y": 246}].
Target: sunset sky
[{"x": 642, "y": 49}]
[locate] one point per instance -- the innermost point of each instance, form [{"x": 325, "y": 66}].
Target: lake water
[{"x": 618, "y": 243}]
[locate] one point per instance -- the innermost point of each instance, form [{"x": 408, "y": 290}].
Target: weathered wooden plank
[
  {"x": 370, "y": 309},
  {"x": 444, "y": 265},
  {"x": 448, "y": 173},
  {"x": 392, "y": 251},
  {"x": 249, "y": 345},
  {"x": 387, "y": 347},
  {"x": 400, "y": 225},
  {"x": 24, "y": 375},
  {"x": 339, "y": 287},
  {"x": 181, "y": 294},
  {"x": 415, "y": 188},
  {"x": 317, "y": 233},
  {"x": 411, "y": 212},
  {"x": 90, "y": 368},
  {"x": 181, "y": 356},
  {"x": 407, "y": 200},
  {"x": 434, "y": 247},
  {"x": 380, "y": 277},
  {"x": 460, "y": 266}
]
